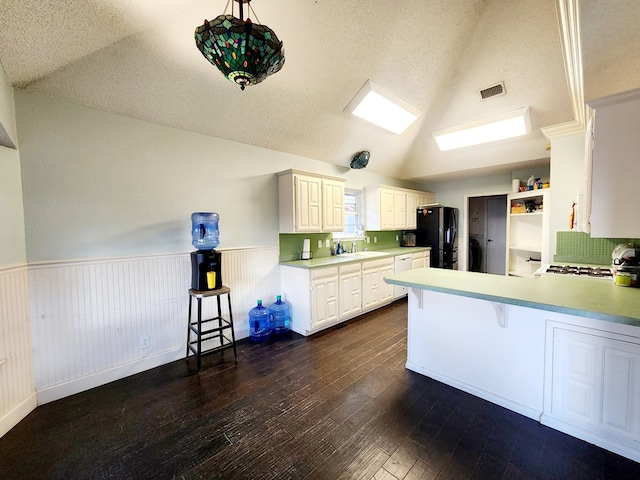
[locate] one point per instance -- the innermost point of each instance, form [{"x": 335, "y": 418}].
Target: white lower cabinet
[
  {"x": 418, "y": 260},
  {"x": 313, "y": 296},
  {"x": 350, "y": 290},
  {"x": 594, "y": 384},
  {"x": 322, "y": 297},
  {"x": 375, "y": 291}
]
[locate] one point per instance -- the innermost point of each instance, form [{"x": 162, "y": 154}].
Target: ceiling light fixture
[
  {"x": 245, "y": 52},
  {"x": 374, "y": 104},
  {"x": 500, "y": 127}
]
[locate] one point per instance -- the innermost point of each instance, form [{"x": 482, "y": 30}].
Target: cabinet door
[
  {"x": 426, "y": 198},
  {"x": 308, "y": 204},
  {"x": 596, "y": 384},
  {"x": 386, "y": 209},
  {"x": 399, "y": 210},
  {"x": 411, "y": 215},
  {"x": 386, "y": 290},
  {"x": 614, "y": 176},
  {"x": 333, "y": 206},
  {"x": 370, "y": 287},
  {"x": 350, "y": 294},
  {"x": 417, "y": 260},
  {"x": 324, "y": 302}
]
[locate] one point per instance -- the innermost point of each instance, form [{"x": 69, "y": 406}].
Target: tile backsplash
[
  {"x": 579, "y": 247},
  {"x": 291, "y": 243}
]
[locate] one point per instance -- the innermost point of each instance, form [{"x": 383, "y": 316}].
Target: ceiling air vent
[{"x": 493, "y": 91}]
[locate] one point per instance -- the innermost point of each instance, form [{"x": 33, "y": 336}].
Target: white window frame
[{"x": 359, "y": 201}]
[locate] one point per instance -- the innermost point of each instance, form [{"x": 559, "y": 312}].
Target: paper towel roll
[{"x": 306, "y": 249}]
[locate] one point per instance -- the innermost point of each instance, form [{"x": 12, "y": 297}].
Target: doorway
[{"x": 487, "y": 234}]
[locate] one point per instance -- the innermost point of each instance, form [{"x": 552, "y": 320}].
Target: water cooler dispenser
[{"x": 206, "y": 262}]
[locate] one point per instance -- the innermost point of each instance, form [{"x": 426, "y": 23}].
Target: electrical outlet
[
  {"x": 144, "y": 342},
  {"x": 319, "y": 243},
  {"x": 368, "y": 239},
  {"x": 327, "y": 243},
  {"x": 375, "y": 239},
  {"x": 397, "y": 237}
]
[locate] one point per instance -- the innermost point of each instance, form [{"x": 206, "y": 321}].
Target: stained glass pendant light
[{"x": 245, "y": 52}]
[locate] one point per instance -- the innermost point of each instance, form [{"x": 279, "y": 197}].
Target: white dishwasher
[{"x": 402, "y": 263}]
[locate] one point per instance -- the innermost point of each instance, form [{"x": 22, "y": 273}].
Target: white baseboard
[
  {"x": 488, "y": 396},
  {"x": 56, "y": 392},
  {"x": 593, "y": 438},
  {"x": 14, "y": 416}
]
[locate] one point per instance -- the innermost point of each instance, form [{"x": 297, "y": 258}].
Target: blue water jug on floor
[
  {"x": 204, "y": 230},
  {"x": 259, "y": 326},
  {"x": 280, "y": 316}
]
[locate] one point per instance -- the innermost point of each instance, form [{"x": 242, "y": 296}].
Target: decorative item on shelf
[
  {"x": 360, "y": 160},
  {"x": 245, "y": 52},
  {"x": 530, "y": 206}
]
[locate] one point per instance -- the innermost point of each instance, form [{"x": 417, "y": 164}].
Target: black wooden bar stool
[{"x": 209, "y": 328}]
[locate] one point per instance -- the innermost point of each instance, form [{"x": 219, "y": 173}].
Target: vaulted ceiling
[{"x": 138, "y": 58}]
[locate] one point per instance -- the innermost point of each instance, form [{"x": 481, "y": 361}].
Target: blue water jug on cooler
[
  {"x": 204, "y": 230},
  {"x": 280, "y": 316},
  {"x": 259, "y": 326}
]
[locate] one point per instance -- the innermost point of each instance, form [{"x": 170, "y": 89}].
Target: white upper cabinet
[
  {"x": 310, "y": 203},
  {"x": 411, "y": 208},
  {"x": 615, "y": 174},
  {"x": 393, "y": 208}
]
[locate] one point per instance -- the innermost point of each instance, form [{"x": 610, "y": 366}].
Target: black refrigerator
[{"x": 437, "y": 227}]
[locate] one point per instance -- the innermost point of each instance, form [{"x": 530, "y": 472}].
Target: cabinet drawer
[
  {"x": 318, "y": 273},
  {"x": 350, "y": 268},
  {"x": 383, "y": 262}
]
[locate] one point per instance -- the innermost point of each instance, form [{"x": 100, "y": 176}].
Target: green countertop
[
  {"x": 349, "y": 258},
  {"x": 598, "y": 299}
]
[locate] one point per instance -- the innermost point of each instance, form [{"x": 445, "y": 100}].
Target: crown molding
[{"x": 569, "y": 23}]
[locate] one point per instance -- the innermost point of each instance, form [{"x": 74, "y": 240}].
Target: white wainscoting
[
  {"x": 17, "y": 392},
  {"x": 88, "y": 317}
]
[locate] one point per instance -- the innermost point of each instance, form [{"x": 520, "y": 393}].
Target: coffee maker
[{"x": 206, "y": 262}]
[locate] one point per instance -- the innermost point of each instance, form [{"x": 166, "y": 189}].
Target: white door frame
[{"x": 463, "y": 241}]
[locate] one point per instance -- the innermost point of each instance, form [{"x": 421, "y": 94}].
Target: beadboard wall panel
[
  {"x": 17, "y": 392},
  {"x": 89, "y": 317}
]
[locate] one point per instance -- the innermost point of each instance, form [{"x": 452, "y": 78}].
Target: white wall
[
  {"x": 100, "y": 185},
  {"x": 8, "y": 135},
  {"x": 17, "y": 392},
  {"x": 567, "y": 179},
  {"x": 11, "y": 209}
]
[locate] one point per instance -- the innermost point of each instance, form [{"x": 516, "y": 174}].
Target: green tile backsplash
[
  {"x": 291, "y": 243},
  {"x": 579, "y": 247}
]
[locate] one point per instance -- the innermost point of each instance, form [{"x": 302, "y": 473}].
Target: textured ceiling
[{"x": 138, "y": 58}]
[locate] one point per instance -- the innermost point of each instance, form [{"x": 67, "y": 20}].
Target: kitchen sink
[{"x": 365, "y": 254}]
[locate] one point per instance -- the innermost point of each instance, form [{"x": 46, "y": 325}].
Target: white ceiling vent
[{"x": 493, "y": 91}]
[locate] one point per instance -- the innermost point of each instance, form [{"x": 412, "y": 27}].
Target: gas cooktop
[{"x": 577, "y": 271}]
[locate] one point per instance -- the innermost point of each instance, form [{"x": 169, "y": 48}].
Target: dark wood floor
[{"x": 339, "y": 405}]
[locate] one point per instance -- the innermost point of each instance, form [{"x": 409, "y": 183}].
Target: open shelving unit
[{"x": 527, "y": 232}]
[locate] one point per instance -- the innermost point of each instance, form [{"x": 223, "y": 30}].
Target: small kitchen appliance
[
  {"x": 206, "y": 262},
  {"x": 621, "y": 252},
  {"x": 408, "y": 239}
]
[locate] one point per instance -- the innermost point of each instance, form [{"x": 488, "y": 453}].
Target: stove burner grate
[{"x": 596, "y": 272}]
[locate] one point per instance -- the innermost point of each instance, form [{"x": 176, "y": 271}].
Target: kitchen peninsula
[{"x": 563, "y": 351}]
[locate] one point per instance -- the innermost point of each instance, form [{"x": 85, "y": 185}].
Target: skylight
[
  {"x": 500, "y": 127},
  {"x": 374, "y": 104}
]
